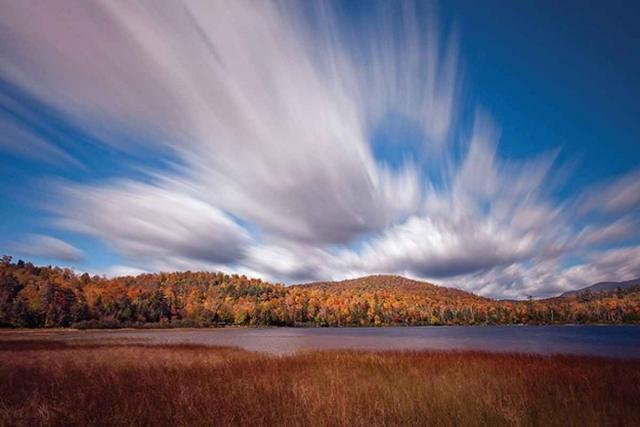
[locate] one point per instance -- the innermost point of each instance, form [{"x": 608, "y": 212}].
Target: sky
[{"x": 495, "y": 149}]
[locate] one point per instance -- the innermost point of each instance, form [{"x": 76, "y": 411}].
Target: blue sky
[{"x": 486, "y": 147}]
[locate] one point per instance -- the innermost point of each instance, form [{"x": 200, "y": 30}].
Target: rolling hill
[
  {"x": 33, "y": 296},
  {"x": 392, "y": 283}
]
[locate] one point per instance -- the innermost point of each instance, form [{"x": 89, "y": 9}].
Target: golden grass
[{"x": 53, "y": 383}]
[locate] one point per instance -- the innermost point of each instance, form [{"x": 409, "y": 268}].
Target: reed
[{"x": 45, "y": 383}]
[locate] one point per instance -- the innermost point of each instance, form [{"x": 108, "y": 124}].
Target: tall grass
[{"x": 47, "y": 383}]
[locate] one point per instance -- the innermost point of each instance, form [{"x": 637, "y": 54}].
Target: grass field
[{"x": 53, "y": 383}]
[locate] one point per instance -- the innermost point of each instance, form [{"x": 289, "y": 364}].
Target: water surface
[{"x": 610, "y": 341}]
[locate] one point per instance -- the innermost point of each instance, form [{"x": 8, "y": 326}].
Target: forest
[{"x": 36, "y": 297}]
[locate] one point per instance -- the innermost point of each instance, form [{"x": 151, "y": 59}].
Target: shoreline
[{"x": 261, "y": 327}]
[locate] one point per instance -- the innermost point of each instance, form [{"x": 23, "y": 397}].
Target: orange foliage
[{"x": 33, "y": 296}]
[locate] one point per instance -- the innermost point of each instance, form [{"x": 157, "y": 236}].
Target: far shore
[{"x": 311, "y": 326}]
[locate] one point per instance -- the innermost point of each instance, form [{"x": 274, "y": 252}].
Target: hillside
[
  {"x": 382, "y": 283},
  {"x": 32, "y": 296},
  {"x": 605, "y": 287}
]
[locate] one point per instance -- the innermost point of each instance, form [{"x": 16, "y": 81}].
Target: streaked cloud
[
  {"x": 145, "y": 222},
  {"x": 268, "y": 111},
  {"x": 36, "y": 245},
  {"x": 22, "y": 141},
  {"x": 619, "y": 195}
]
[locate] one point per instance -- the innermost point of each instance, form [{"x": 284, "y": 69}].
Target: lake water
[{"x": 610, "y": 341}]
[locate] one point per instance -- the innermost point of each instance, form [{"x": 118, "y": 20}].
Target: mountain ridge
[{"x": 604, "y": 287}]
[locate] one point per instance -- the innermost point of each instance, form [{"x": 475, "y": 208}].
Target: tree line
[{"x": 34, "y": 297}]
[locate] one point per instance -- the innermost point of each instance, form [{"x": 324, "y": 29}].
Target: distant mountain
[{"x": 604, "y": 287}]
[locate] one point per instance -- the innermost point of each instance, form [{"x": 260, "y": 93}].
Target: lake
[{"x": 609, "y": 341}]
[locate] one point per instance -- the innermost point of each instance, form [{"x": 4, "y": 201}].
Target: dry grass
[{"x": 49, "y": 383}]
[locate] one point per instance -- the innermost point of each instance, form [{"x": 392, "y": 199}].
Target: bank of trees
[{"x": 32, "y": 296}]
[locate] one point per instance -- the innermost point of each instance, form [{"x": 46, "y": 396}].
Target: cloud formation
[
  {"x": 38, "y": 245},
  {"x": 150, "y": 223},
  {"x": 268, "y": 111},
  {"x": 619, "y": 195}
]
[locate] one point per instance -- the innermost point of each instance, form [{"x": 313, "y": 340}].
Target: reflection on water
[{"x": 612, "y": 341}]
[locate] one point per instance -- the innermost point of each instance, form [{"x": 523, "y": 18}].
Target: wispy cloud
[
  {"x": 37, "y": 245},
  {"x": 149, "y": 223},
  {"x": 268, "y": 111},
  {"x": 620, "y": 195},
  {"x": 22, "y": 141}
]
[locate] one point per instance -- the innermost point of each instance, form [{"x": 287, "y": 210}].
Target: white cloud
[
  {"x": 616, "y": 231},
  {"x": 619, "y": 195},
  {"x": 489, "y": 214},
  {"x": 149, "y": 223},
  {"x": 38, "y": 245},
  {"x": 617, "y": 264},
  {"x": 261, "y": 129},
  {"x": 268, "y": 114},
  {"x": 550, "y": 278}
]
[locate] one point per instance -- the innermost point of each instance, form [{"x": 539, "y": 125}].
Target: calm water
[{"x": 611, "y": 341}]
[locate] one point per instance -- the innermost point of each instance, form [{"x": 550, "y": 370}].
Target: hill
[
  {"x": 382, "y": 283},
  {"x": 33, "y": 296},
  {"x": 605, "y": 287}
]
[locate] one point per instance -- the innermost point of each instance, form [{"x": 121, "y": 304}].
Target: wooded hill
[{"x": 32, "y": 296}]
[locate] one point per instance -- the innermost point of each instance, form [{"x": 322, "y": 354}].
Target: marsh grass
[{"x": 56, "y": 383}]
